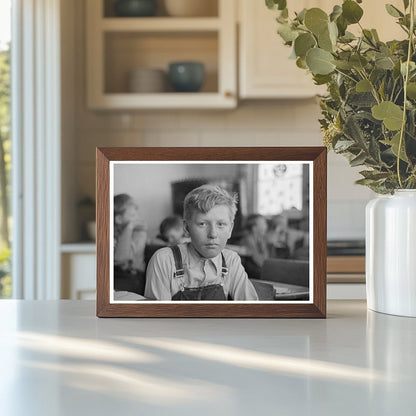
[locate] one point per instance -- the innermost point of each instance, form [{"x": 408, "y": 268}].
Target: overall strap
[
  {"x": 179, "y": 272},
  {"x": 224, "y": 268}
]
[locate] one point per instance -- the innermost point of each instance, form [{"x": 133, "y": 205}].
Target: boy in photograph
[{"x": 202, "y": 269}]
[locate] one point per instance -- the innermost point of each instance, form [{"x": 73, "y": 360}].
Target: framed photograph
[{"x": 211, "y": 232}]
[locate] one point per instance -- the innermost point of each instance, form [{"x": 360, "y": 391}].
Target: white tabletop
[{"x": 57, "y": 358}]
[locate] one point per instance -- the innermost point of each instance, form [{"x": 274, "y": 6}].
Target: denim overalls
[{"x": 210, "y": 292}]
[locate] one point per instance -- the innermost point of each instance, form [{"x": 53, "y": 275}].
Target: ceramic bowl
[
  {"x": 186, "y": 76},
  {"x": 147, "y": 80},
  {"x": 135, "y": 8}
]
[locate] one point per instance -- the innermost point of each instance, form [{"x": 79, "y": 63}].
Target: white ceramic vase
[{"x": 391, "y": 253}]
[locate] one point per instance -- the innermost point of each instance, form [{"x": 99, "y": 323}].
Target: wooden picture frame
[{"x": 122, "y": 168}]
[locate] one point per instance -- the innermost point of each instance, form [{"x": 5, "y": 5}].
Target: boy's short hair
[
  {"x": 206, "y": 197},
  {"x": 169, "y": 223}
]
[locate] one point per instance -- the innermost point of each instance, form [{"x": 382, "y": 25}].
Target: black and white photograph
[{"x": 211, "y": 231}]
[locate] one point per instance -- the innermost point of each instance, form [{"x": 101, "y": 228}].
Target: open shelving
[{"x": 117, "y": 45}]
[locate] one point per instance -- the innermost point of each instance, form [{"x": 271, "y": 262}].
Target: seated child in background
[
  {"x": 130, "y": 234},
  {"x": 286, "y": 242},
  {"x": 201, "y": 269},
  {"x": 277, "y": 237},
  {"x": 255, "y": 242},
  {"x": 171, "y": 231}
]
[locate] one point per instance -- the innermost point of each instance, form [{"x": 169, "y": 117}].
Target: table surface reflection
[{"x": 57, "y": 358}]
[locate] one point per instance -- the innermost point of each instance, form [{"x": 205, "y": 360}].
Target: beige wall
[{"x": 253, "y": 123}]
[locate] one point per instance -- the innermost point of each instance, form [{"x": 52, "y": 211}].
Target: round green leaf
[
  {"x": 276, "y": 4},
  {"x": 411, "y": 90},
  {"x": 319, "y": 61},
  {"x": 336, "y": 12},
  {"x": 333, "y": 32},
  {"x": 384, "y": 62},
  {"x": 393, "y": 11},
  {"x": 316, "y": 20},
  {"x": 351, "y": 11},
  {"x": 358, "y": 61},
  {"x": 391, "y": 114},
  {"x": 412, "y": 67},
  {"x": 363, "y": 86},
  {"x": 325, "y": 42},
  {"x": 395, "y": 144},
  {"x": 342, "y": 25},
  {"x": 322, "y": 79},
  {"x": 344, "y": 65},
  {"x": 303, "y": 43},
  {"x": 327, "y": 39},
  {"x": 301, "y": 15},
  {"x": 287, "y": 33},
  {"x": 301, "y": 63}
]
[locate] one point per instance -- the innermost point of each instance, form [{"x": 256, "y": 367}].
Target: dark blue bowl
[
  {"x": 135, "y": 8},
  {"x": 186, "y": 76}
]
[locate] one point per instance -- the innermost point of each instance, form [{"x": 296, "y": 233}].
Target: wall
[{"x": 253, "y": 123}]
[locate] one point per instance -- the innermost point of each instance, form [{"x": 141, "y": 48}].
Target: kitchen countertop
[{"x": 57, "y": 358}]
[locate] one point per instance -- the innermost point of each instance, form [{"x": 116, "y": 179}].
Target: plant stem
[
  {"x": 405, "y": 81},
  {"x": 346, "y": 75},
  {"x": 373, "y": 88}
]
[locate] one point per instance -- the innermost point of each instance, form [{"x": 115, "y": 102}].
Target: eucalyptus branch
[
  {"x": 369, "y": 40},
  {"x": 346, "y": 75},
  {"x": 392, "y": 91},
  {"x": 397, "y": 95},
  {"x": 405, "y": 29},
  {"x": 363, "y": 59},
  {"x": 373, "y": 88},
  {"x": 405, "y": 81}
]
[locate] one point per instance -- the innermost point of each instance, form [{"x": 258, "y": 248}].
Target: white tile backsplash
[
  {"x": 173, "y": 138},
  {"x": 346, "y": 219}
]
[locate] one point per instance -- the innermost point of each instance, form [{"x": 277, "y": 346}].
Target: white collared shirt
[{"x": 199, "y": 271}]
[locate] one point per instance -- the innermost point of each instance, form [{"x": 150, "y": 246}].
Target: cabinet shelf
[
  {"x": 160, "y": 24},
  {"x": 196, "y": 100}
]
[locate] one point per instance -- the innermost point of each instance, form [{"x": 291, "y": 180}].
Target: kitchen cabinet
[
  {"x": 265, "y": 69},
  {"x": 78, "y": 263},
  {"x": 346, "y": 277},
  {"x": 346, "y": 269},
  {"x": 118, "y": 45}
]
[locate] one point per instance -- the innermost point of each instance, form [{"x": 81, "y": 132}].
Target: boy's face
[{"x": 210, "y": 231}]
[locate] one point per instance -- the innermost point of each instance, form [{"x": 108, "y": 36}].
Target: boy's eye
[
  {"x": 201, "y": 224},
  {"x": 221, "y": 224}
]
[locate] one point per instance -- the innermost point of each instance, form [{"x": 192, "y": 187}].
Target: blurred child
[
  {"x": 277, "y": 237},
  {"x": 255, "y": 242},
  {"x": 130, "y": 234},
  {"x": 202, "y": 269},
  {"x": 171, "y": 231}
]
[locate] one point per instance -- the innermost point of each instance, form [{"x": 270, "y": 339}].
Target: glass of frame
[{"x": 211, "y": 232}]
